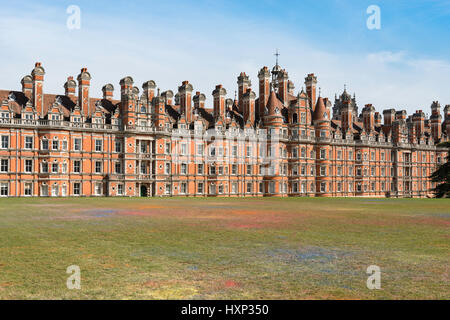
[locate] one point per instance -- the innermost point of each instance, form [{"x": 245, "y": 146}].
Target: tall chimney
[
  {"x": 369, "y": 118},
  {"x": 149, "y": 90},
  {"x": 38, "y": 89},
  {"x": 185, "y": 92},
  {"x": 435, "y": 119},
  {"x": 249, "y": 107},
  {"x": 311, "y": 84},
  {"x": 243, "y": 85},
  {"x": 219, "y": 101},
  {"x": 84, "y": 82},
  {"x": 264, "y": 90},
  {"x": 283, "y": 86},
  {"x": 199, "y": 100}
]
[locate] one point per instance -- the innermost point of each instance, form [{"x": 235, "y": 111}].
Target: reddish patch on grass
[{"x": 231, "y": 284}]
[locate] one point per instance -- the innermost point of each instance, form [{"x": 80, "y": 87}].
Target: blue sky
[{"x": 405, "y": 64}]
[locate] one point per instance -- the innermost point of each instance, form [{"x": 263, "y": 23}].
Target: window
[
  {"x": 64, "y": 145},
  {"x": 303, "y": 153},
  {"x": 98, "y": 167},
  {"x": 118, "y": 146},
  {"x": 64, "y": 167},
  {"x": 234, "y": 169},
  {"x": 212, "y": 151},
  {"x": 323, "y": 154},
  {"x": 28, "y": 142},
  {"x": 249, "y": 169},
  {"x": 98, "y": 145},
  {"x": 323, "y": 171},
  {"x": 295, "y": 187},
  {"x": 303, "y": 117},
  {"x": 4, "y": 165},
  {"x": 234, "y": 151},
  {"x": 167, "y": 148},
  {"x": 295, "y": 170},
  {"x": 220, "y": 189},
  {"x": 339, "y": 155},
  {"x": 183, "y": 168},
  {"x": 5, "y": 142},
  {"x": 183, "y": 188},
  {"x": 45, "y": 144},
  {"x": 77, "y": 188},
  {"x": 44, "y": 167},
  {"x": 249, "y": 151},
  {"x": 234, "y": 187},
  {"x": 295, "y": 153},
  {"x": 98, "y": 189},
  {"x": 184, "y": 149},
  {"x": 28, "y": 165},
  {"x": 200, "y": 149},
  {"x": 77, "y": 166},
  {"x": 323, "y": 187},
  {"x": 55, "y": 145},
  {"x": 249, "y": 187},
  {"x": 261, "y": 187},
  {"x": 200, "y": 187},
  {"x": 118, "y": 167},
  {"x": 120, "y": 189},
  {"x": 4, "y": 189},
  {"x": 55, "y": 190},
  {"x": 55, "y": 167},
  {"x": 44, "y": 190},
  {"x": 77, "y": 144},
  {"x": 28, "y": 189},
  {"x": 212, "y": 170}
]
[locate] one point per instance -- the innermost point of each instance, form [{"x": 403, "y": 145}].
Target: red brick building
[{"x": 159, "y": 144}]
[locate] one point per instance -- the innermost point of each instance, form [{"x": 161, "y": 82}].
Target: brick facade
[{"x": 158, "y": 144}]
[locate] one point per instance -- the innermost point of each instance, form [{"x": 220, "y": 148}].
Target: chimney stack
[
  {"x": 311, "y": 84},
  {"x": 185, "y": 92},
  {"x": 37, "y": 76},
  {"x": 219, "y": 101},
  {"x": 108, "y": 91},
  {"x": 199, "y": 100},
  {"x": 243, "y": 85},
  {"x": 70, "y": 87},
  {"x": 84, "y": 82},
  {"x": 27, "y": 86},
  {"x": 149, "y": 90}
]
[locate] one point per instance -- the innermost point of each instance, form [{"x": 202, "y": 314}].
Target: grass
[{"x": 220, "y": 248}]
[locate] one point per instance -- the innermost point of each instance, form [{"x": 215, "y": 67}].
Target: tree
[{"x": 442, "y": 176}]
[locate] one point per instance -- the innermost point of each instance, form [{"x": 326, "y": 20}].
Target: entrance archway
[{"x": 143, "y": 191}]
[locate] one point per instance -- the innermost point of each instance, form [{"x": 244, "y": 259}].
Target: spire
[{"x": 277, "y": 55}]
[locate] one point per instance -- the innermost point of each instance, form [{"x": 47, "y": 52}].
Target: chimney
[
  {"x": 264, "y": 91},
  {"x": 108, "y": 91},
  {"x": 400, "y": 115},
  {"x": 419, "y": 122},
  {"x": 447, "y": 119},
  {"x": 37, "y": 76},
  {"x": 199, "y": 100},
  {"x": 70, "y": 87},
  {"x": 219, "y": 101},
  {"x": 243, "y": 85},
  {"x": 346, "y": 116},
  {"x": 283, "y": 86},
  {"x": 369, "y": 118},
  {"x": 377, "y": 119},
  {"x": 249, "y": 106},
  {"x": 84, "y": 82},
  {"x": 27, "y": 86},
  {"x": 311, "y": 84},
  {"x": 127, "y": 102},
  {"x": 435, "y": 119},
  {"x": 149, "y": 90},
  {"x": 168, "y": 97},
  {"x": 185, "y": 91}
]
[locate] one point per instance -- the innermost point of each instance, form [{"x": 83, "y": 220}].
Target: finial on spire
[
  {"x": 345, "y": 87},
  {"x": 235, "y": 95},
  {"x": 277, "y": 55},
  {"x": 320, "y": 91},
  {"x": 158, "y": 93}
]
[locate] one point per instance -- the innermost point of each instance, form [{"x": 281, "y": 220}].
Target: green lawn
[{"x": 283, "y": 248}]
